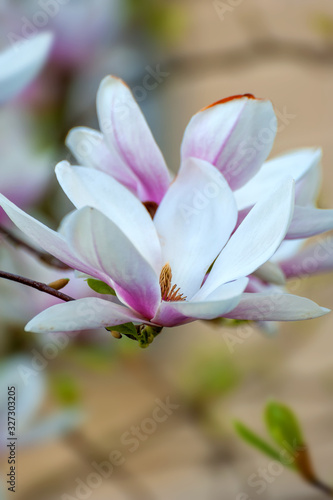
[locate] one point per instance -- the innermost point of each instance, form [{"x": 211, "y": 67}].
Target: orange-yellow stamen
[{"x": 169, "y": 294}]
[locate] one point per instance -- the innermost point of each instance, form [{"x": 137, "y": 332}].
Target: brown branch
[
  {"x": 44, "y": 257},
  {"x": 42, "y": 287}
]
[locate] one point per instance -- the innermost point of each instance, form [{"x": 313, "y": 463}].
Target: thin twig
[
  {"x": 42, "y": 287},
  {"x": 44, "y": 257},
  {"x": 324, "y": 488}
]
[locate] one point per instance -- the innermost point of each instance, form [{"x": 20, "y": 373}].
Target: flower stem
[
  {"x": 42, "y": 287},
  {"x": 44, "y": 257}
]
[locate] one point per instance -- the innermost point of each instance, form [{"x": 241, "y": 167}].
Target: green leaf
[
  {"x": 284, "y": 427},
  {"x": 124, "y": 329},
  {"x": 100, "y": 287},
  {"x": 65, "y": 389},
  {"x": 256, "y": 441}
]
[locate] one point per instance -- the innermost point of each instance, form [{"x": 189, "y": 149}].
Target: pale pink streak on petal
[
  {"x": 126, "y": 130},
  {"x": 235, "y": 134},
  {"x": 82, "y": 314}
]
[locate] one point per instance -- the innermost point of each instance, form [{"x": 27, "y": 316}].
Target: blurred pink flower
[
  {"x": 21, "y": 63},
  {"x": 25, "y": 171}
]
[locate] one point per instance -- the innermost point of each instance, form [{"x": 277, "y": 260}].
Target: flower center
[{"x": 169, "y": 294}]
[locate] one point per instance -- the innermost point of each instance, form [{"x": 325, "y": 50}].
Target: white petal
[
  {"x": 295, "y": 164},
  {"x": 46, "y": 238},
  {"x": 276, "y": 307},
  {"x": 126, "y": 130},
  {"x": 91, "y": 150},
  {"x": 21, "y": 63},
  {"x": 88, "y": 187},
  {"x": 103, "y": 245},
  {"x": 194, "y": 221},
  {"x": 235, "y": 134},
  {"x": 256, "y": 239},
  {"x": 81, "y": 314}
]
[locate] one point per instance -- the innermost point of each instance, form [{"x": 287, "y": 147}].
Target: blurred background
[{"x": 83, "y": 397}]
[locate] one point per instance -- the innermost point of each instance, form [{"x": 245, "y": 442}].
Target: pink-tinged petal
[
  {"x": 235, "y": 134},
  {"x": 271, "y": 273},
  {"x": 276, "y": 307},
  {"x": 314, "y": 259},
  {"x": 46, "y": 238},
  {"x": 91, "y": 150},
  {"x": 101, "y": 243},
  {"x": 126, "y": 131},
  {"x": 296, "y": 164},
  {"x": 194, "y": 221},
  {"x": 216, "y": 305},
  {"x": 309, "y": 221},
  {"x": 81, "y": 314},
  {"x": 21, "y": 63},
  {"x": 256, "y": 239},
  {"x": 88, "y": 187}
]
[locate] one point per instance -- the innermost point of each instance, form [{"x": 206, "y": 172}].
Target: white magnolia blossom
[{"x": 158, "y": 268}]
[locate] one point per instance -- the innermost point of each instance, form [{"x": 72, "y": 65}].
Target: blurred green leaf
[
  {"x": 256, "y": 441},
  {"x": 65, "y": 389},
  {"x": 284, "y": 427},
  {"x": 322, "y": 23},
  {"x": 164, "y": 21},
  {"x": 100, "y": 287}
]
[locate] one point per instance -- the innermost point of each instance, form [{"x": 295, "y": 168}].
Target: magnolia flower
[
  {"x": 25, "y": 162},
  {"x": 80, "y": 27},
  {"x": 235, "y": 135},
  {"x": 183, "y": 265},
  {"x": 21, "y": 63}
]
